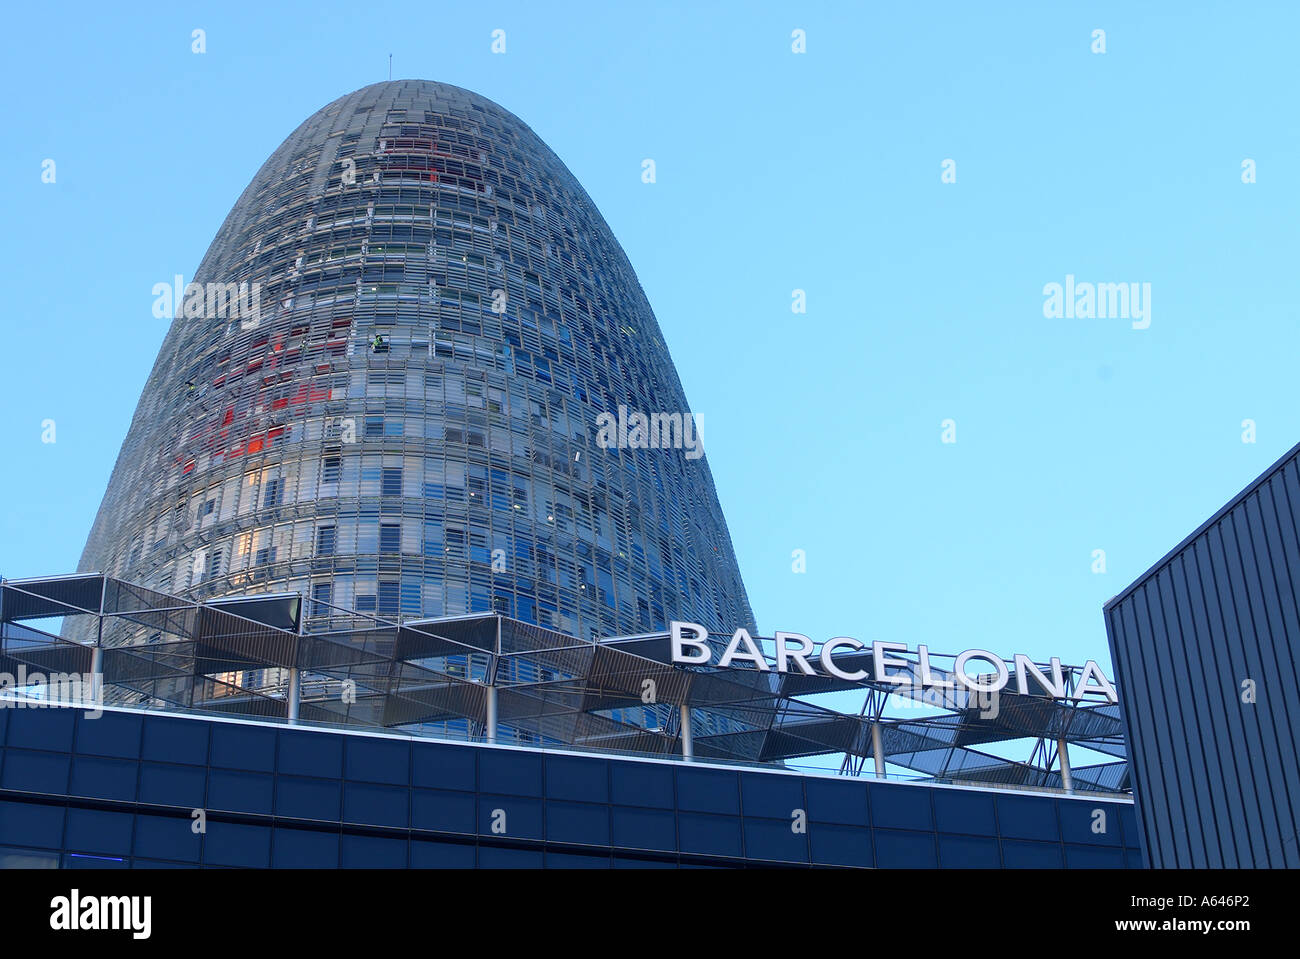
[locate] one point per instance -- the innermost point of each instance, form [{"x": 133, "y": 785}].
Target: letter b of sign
[{"x": 696, "y": 641}]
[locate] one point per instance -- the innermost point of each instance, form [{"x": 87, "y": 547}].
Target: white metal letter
[
  {"x": 696, "y": 641},
  {"x": 752, "y": 652},
  {"x": 881, "y": 660},
  {"x": 784, "y": 653},
  {"x": 829, "y": 665}
]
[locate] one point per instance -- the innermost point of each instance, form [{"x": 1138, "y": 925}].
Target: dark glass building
[
  {"x": 382, "y": 391},
  {"x": 1205, "y": 647},
  {"x": 120, "y": 791}
]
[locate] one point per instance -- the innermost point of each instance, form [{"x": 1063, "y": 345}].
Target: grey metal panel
[
  {"x": 282, "y": 612},
  {"x": 1217, "y": 780},
  {"x": 57, "y": 596}
]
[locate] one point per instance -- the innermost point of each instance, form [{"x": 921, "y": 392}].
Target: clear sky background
[{"x": 776, "y": 172}]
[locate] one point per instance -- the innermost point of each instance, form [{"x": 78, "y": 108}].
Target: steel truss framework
[{"x": 490, "y": 677}]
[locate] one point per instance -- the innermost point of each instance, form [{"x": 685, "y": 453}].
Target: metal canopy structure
[{"x": 491, "y": 678}]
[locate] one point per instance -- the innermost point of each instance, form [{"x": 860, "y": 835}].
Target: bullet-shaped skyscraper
[{"x": 381, "y": 389}]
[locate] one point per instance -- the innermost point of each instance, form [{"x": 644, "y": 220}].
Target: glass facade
[
  {"x": 1204, "y": 646},
  {"x": 121, "y": 790},
  {"x": 403, "y": 420}
]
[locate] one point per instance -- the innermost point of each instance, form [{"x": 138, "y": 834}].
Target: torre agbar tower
[{"x": 398, "y": 417}]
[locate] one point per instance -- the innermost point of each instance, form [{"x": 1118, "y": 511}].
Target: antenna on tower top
[{"x": 390, "y": 66}]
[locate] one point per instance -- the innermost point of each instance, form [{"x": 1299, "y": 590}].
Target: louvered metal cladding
[
  {"x": 1207, "y": 641},
  {"x": 442, "y": 319}
]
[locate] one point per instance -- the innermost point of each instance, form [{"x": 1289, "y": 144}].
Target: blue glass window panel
[
  {"x": 901, "y": 807},
  {"x": 14, "y": 858},
  {"x": 99, "y": 831},
  {"x": 1128, "y": 819},
  {"x": 964, "y": 812},
  {"x": 104, "y": 778},
  {"x": 560, "y": 860},
  {"x": 43, "y": 729},
  {"x": 968, "y": 852},
  {"x": 301, "y": 798},
  {"x": 627, "y": 862},
  {"x": 838, "y": 845},
  {"x": 373, "y": 852},
  {"x": 237, "y": 791},
  {"x": 31, "y": 824},
  {"x": 709, "y": 835},
  {"x": 1027, "y": 817},
  {"x": 176, "y": 740},
  {"x": 1094, "y": 857},
  {"x": 158, "y": 864},
  {"x": 774, "y": 839},
  {"x": 304, "y": 849},
  {"x": 243, "y": 747},
  {"x": 311, "y": 754},
  {"x": 523, "y": 816},
  {"x": 1133, "y": 859},
  {"x": 1031, "y": 855},
  {"x": 493, "y": 857},
  {"x": 115, "y": 735},
  {"x": 905, "y": 850},
  {"x": 577, "y": 822},
  {"x": 769, "y": 796},
  {"x": 837, "y": 802},
  {"x": 375, "y": 805},
  {"x": 166, "y": 837},
  {"x": 444, "y": 767},
  {"x": 442, "y": 810},
  {"x": 4, "y": 724},
  {"x": 1077, "y": 823},
  {"x": 172, "y": 785},
  {"x": 572, "y": 777},
  {"x": 708, "y": 790},
  {"x": 89, "y": 861},
  {"x": 515, "y": 773},
  {"x": 644, "y": 828},
  {"x": 234, "y": 844},
  {"x": 374, "y": 760},
  {"x": 642, "y": 784},
  {"x": 441, "y": 855},
  {"x": 36, "y": 772}
]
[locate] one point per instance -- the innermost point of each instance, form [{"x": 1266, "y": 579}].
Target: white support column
[
  {"x": 877, "y": 750},
  {"x": 1063, "y": 756},
  {"x": 491, "y": 714},
  {"x": 490, "y": 678},
  {"x": 295, "y": 695},
  {"x": 688, "y": 750},
  {"x": 97, "y": 654},
  {"x": 96, "y": 692}
]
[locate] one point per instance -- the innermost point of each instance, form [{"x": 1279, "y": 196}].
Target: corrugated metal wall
[{"x": 1205, "y": 648}]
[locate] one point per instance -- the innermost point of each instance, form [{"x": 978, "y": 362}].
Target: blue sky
[{"x": 775, "y": 172}]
